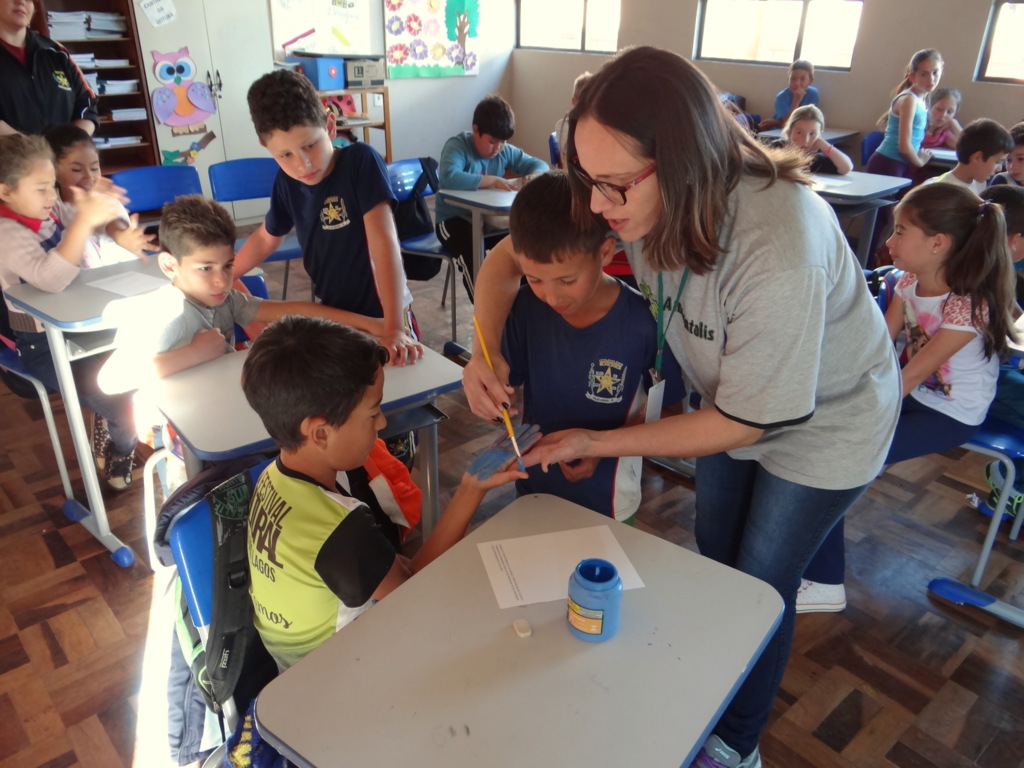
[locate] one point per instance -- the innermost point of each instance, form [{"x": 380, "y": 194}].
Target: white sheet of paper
[
  {"x": 129, "y": 283},
  {"x": 536, "y": 569},
  {"x": 820, "y": 183}
]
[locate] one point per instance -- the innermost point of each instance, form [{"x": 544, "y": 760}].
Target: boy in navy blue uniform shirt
[
  {"x": 339, "y": 201},
  {"x": 581, "y": 344}
]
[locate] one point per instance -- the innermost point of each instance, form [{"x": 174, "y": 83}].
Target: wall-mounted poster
[
  {"x": 431, "y": 38},
  {"x": 336, "y": 27}
]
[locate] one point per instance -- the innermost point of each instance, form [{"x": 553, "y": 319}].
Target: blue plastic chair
[
  {"x": 403, "y": 175},
  {"x": 151, "y": 186},
  {"x": 250, "y": 178},
  {"x": 869, "y": 145},
  {"x": 11, "y": 363},
  {"x": 554, "y": 150}
]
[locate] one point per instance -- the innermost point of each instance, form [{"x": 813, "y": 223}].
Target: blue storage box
[{"x": 327, "y": 73}]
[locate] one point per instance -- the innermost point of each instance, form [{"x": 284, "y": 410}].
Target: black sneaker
[
  {"x": 100, "y": 441},
  {"x": 118, "y": 471}
]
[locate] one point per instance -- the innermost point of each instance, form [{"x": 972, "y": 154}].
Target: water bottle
[{"x": 595, "y": 600}]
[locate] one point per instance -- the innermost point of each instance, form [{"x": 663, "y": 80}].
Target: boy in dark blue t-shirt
[
  {"x": 340, "y": 203},
  {"x": 580, "y": 343}
]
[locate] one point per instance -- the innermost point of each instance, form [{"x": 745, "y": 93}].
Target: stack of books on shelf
[
  {"x": 128, "y": 113},
  {"x": 83, "y": 59},
  {"x": 118, "y": 86},
  {"x": 92, "y": 80},
  {"x": 112, "y": 63},
  {"x": 104, "y": 142},
  {"x": 67, "y": 25},
  {"x": 105, "y": 24}
]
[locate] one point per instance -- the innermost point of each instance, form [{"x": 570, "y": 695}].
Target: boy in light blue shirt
[{"x": 478, "y": 159}]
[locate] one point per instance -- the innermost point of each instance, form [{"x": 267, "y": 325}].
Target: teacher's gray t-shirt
[{"x": 782, "y": 334}]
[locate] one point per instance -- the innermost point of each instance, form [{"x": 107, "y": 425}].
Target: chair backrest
[
  {"x": 869, "y": 145},
  {"x": 257, "y": 285},
  {"x": 403, "y": 175},
  {"x": 246, "y": 178},
  {"x": 151, "y": 186},
  {"x": 554, "y": 150}
]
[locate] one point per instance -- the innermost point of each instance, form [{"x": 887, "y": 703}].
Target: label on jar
[{"x": 587, "y": 620}]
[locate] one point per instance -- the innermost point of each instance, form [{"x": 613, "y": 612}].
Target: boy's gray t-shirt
[{"x": 783, "y": 334}]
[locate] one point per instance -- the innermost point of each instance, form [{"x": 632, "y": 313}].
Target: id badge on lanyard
[{"x": 656, "y": 394}]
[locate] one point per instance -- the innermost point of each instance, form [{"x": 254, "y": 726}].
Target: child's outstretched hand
[
  {"x": 133, "y": 238},
  {"x": 94, "y": 209},
  {"x": 501, "y": 456},
  {"x": 105, "y": 186}
]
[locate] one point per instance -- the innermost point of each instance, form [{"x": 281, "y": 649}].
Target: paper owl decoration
[{"x": 181, "y": 102}]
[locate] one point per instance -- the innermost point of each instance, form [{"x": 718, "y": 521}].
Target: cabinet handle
[{"x": 220, "y": 84}]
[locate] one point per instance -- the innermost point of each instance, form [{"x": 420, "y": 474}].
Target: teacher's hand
[
  {"x": 558, "y": 447},
  {"x": 485, "y": 389}
]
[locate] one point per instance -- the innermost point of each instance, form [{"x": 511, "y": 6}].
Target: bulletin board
[{"x": 341, "y": 27}]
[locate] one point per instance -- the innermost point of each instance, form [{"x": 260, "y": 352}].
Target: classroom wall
[
  {"x": 426, "y": 111},
  {"x": 890, "y": 32}
]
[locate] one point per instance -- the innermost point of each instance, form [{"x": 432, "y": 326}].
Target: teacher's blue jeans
[{"x": 769, "y": 528}]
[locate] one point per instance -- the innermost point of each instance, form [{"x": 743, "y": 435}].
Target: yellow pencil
[{"x": 504, "y": 411}]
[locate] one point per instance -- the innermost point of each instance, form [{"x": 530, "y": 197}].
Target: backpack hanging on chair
[{"x": 412, "y": 218}]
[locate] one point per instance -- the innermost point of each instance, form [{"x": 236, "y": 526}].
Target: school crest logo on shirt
[
  {"x": 62, "y": 80},
  {"x": 606, "y": 380},
  {"x": 334, "y": 215}
]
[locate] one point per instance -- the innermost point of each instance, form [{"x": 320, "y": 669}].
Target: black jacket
[{"x": 48, "y": 91}]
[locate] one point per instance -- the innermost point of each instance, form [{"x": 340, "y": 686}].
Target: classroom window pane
[
  {"x": 751, "y": 30},
  {"x": 830, "y": 32},
  {"x": 560, "y": 24},
  {"x": 602, "y": 25},
  {"x": 550, "y": 24},
  {"x": 779, "y": 31},
  {"x": 1006, "y": 54}
]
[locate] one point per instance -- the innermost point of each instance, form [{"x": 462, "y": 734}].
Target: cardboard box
[
  {"x": 327, "y": 73},
  {"x": 364, "y": 73}
]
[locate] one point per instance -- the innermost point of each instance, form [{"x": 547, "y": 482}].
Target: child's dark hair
[
  {"x": 304, "y": 367},
  {"x": 985, "y": 136},
  {"x": 494, "y": 116},
  {"x": 541, "y": 222},
  {"x": 17, "y": 153},
  {"x": 978, "y": 264},
  {"x": 1011, "y": 198},
  {"x": 915, "y": 61},
  {"x": 803, "y": 64},
  {"x": 191, "y": 222},
  {"x": 1017, "y": 132},
  {"x": 281, "y": 100},
  {"x": 63, "y": 137}
]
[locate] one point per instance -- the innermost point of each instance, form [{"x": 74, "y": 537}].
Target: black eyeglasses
[{"x": 615, "y": 193}]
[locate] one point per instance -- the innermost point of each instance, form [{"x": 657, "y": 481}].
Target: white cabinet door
[{"x": 223, "y": 43}]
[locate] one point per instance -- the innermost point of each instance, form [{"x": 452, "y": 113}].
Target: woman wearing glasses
[{"x": 766, "y": 309}]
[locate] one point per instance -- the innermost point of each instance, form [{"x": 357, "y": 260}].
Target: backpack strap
[
  {"x": 231, "y": 628},
  {"x": 428, "y": 176}
]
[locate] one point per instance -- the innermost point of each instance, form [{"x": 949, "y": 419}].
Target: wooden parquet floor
[{"x": 897, "y": 680}]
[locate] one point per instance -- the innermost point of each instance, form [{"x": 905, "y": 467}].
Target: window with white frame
[
  {"x": 570, "y": 25},
  {"x": 1002, "y": 55},
  {"x": 823, "y": 32}
]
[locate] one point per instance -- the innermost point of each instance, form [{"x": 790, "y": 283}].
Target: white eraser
[{"x": 522, "y": 627}]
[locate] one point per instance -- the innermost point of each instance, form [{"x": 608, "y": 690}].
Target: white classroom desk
[
  {"x": 831, "y": 135},
  {"x": 208, "y": 410},
  {"x": 857, "y": 193},
  {"x": 73, "y": 320},
  {"x": 434, "y": 674},
  {"x": 480, "y": 203}
]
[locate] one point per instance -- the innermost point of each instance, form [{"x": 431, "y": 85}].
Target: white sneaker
[{"x": 813, "y": 597}]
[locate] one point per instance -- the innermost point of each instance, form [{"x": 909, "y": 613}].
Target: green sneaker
[{"x": 996, "y": 480}]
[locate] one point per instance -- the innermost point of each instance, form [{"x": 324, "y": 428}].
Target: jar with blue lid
[{"x": 595, "y": 600}]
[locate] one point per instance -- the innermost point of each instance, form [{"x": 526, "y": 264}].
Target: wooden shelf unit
[
  {"x": 127, "y": 47},
  {"x": 382, "y": 123}
]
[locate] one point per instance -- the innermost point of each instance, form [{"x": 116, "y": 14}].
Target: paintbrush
[{"x": 504, "y": 411}]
